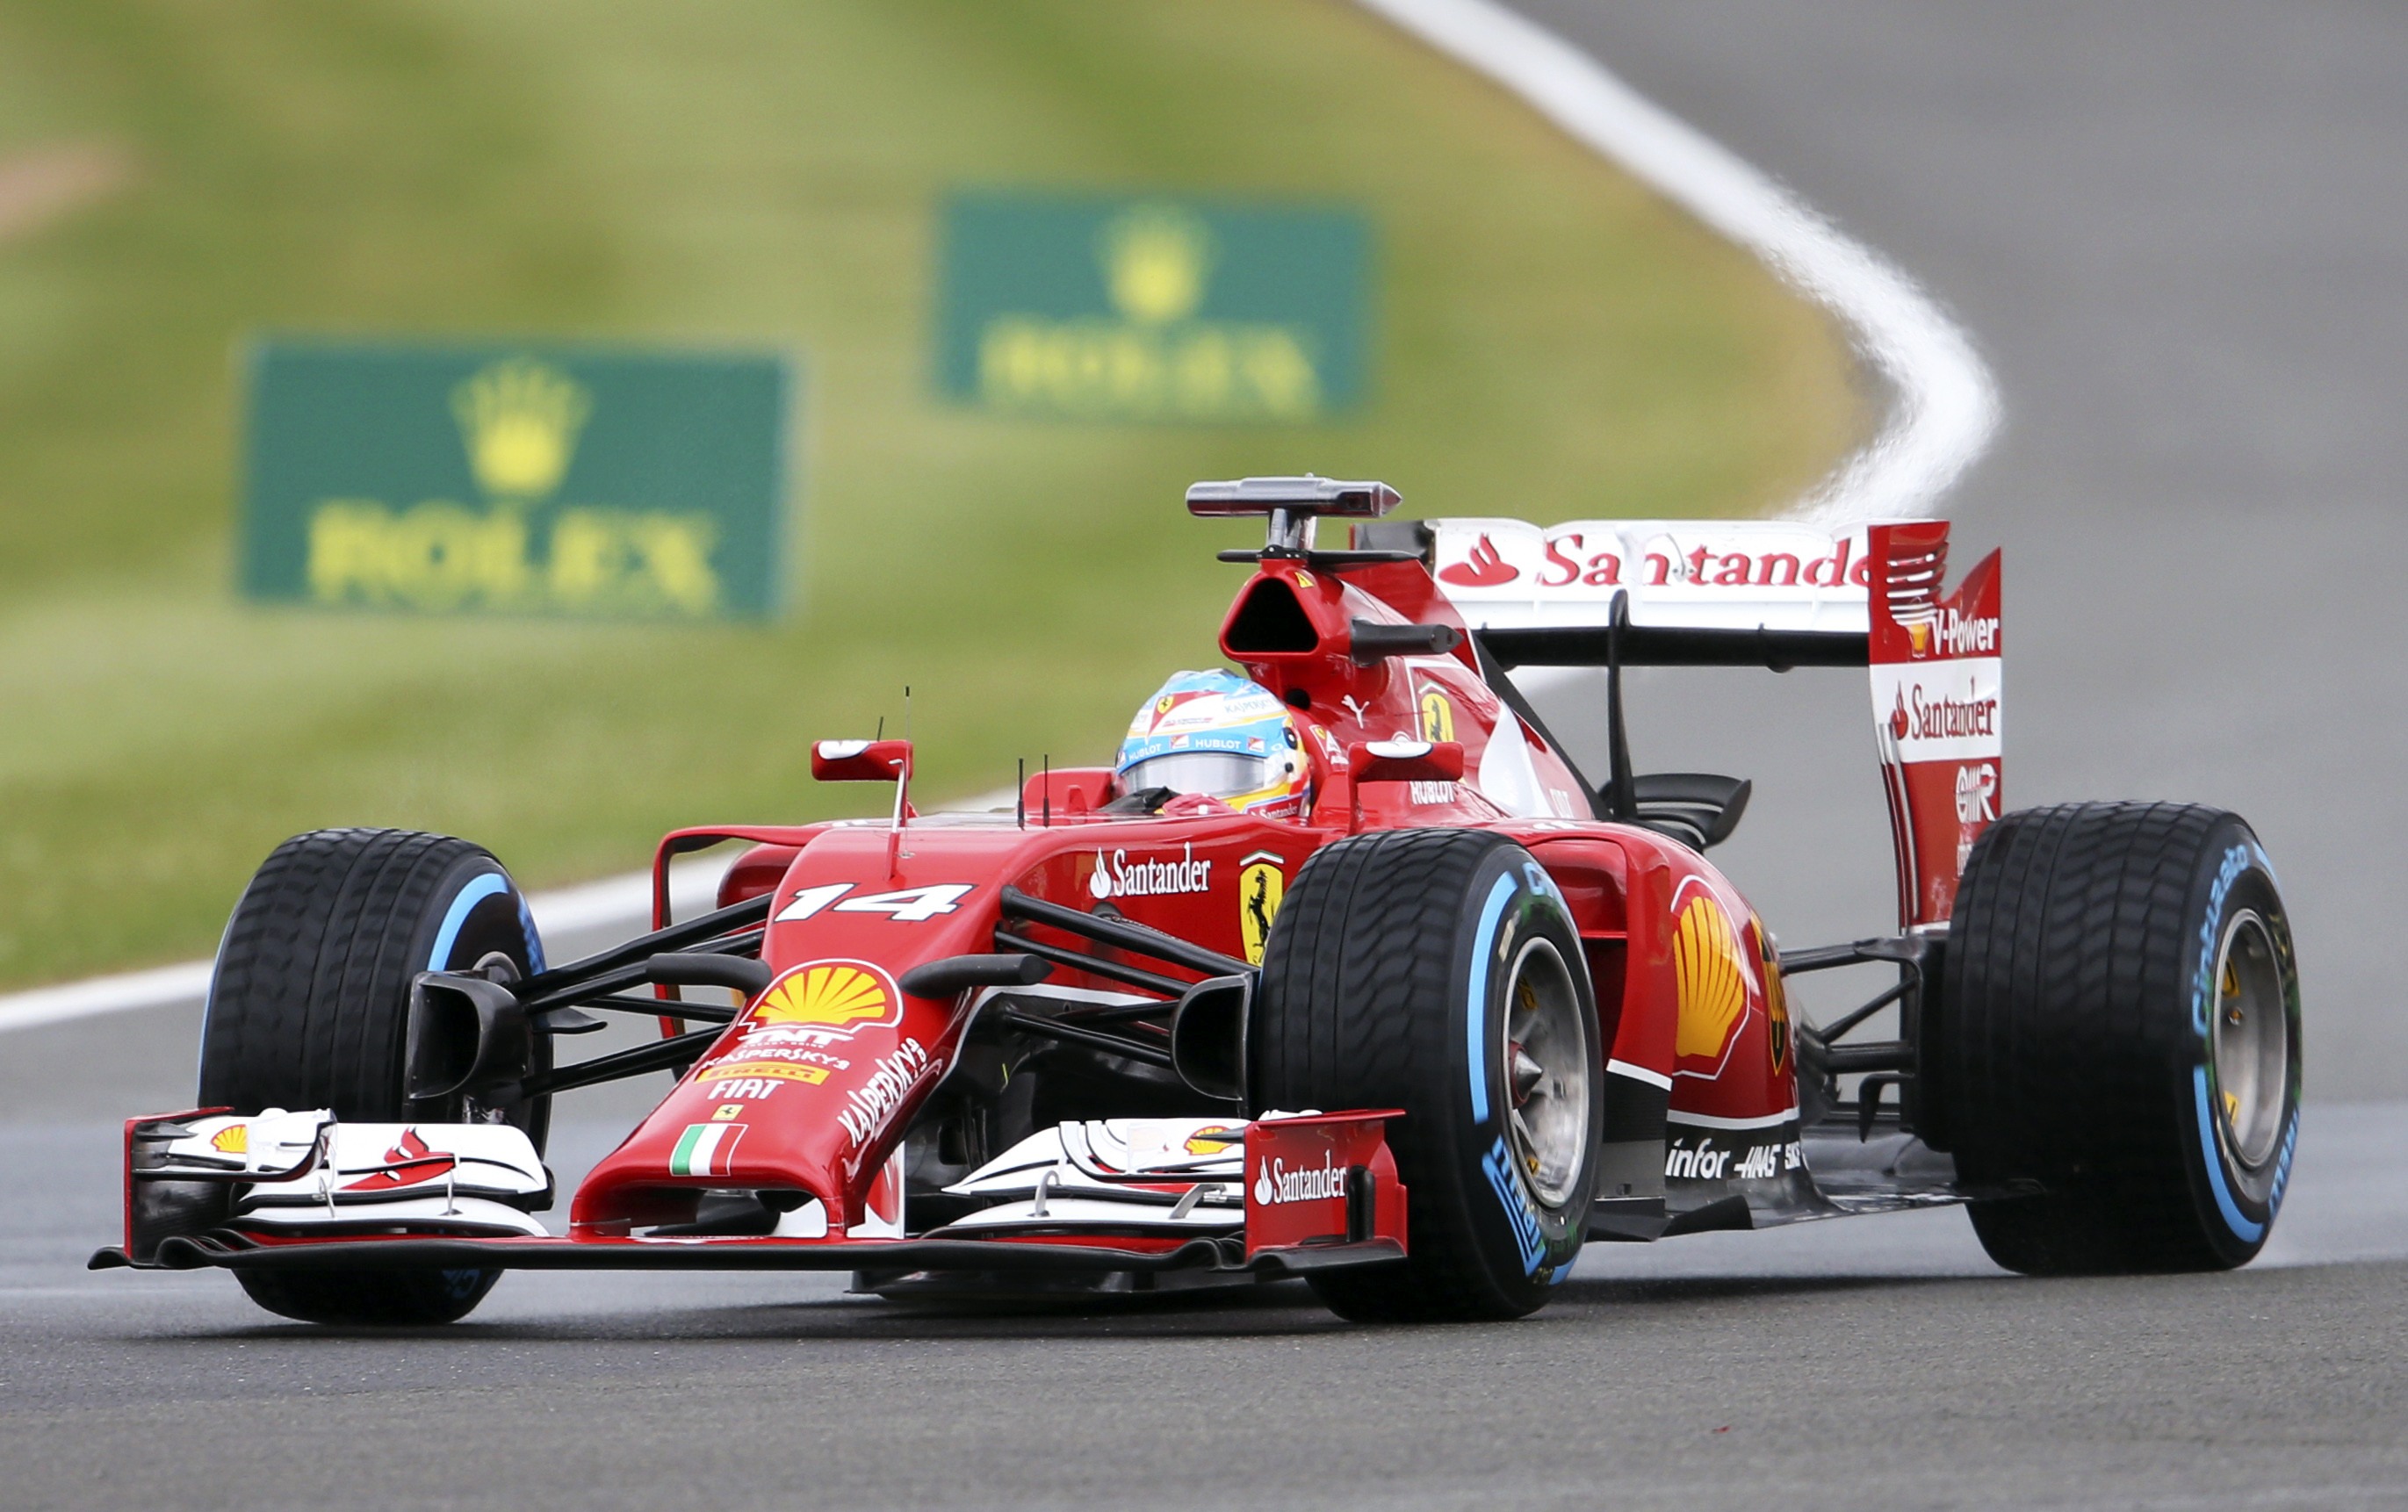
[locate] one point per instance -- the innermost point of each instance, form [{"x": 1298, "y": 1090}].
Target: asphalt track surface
[{"x": 2178, "y": 236}]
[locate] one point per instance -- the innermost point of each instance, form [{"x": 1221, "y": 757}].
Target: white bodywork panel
[
  {"x": 1173, "y": 1174},
  {"x": 1708, "y": 574},
  {"x": 309, "y": 1170}
]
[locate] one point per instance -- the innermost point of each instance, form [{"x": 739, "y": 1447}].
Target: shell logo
[
  {"x": 1213, "y": 1139},
  {"x": 829, "y": 994},
  {"x": 1713, "y": 977},
  {"x": 233, "y": 1139}
]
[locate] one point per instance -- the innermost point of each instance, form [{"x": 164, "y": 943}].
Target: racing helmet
[{"x": 1217, "y": 734}]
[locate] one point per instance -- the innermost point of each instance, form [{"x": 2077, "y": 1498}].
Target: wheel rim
[
  {"x": 2249, "y": 1041},
  {"x": 1546, "y": 1073}
]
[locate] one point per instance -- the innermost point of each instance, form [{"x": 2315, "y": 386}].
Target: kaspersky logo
[{"x": 867, "y": 1105}]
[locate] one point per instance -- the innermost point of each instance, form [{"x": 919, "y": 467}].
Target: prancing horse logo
[{"x": 1261, "y": 884}]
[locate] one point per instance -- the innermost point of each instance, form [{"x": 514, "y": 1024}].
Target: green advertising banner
[
  {"x": 516, "y": 479},
  {"x": 1152, "y": 310}
]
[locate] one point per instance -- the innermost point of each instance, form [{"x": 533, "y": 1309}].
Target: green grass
[{"x": 1553, "y": 342}]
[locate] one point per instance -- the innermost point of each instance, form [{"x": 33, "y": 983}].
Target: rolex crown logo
[
  {"x": 519, "y": 420},
  {"x": 1156, "y": 259}
]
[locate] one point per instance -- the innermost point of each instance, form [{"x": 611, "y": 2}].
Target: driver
[{"x": 1217, "y": 735}]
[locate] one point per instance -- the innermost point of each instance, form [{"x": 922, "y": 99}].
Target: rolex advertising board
[
  {"x": 517, "y": 479},
  {"x": 1152, "y": 310}
]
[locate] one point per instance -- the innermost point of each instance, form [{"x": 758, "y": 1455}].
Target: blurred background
[
  {"x": 1539, "y": 337},
  {"x": 2175, "y": 233}
]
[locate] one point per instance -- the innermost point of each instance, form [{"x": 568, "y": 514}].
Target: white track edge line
[
  {"x": 105, "y": 995},
  {"x": 1944, "y": 407},
  {"x": 613, "y": 903}
]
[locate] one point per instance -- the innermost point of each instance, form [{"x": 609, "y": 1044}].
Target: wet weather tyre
[
  {"x": 1441, "y": 972},
  {"x": 2116, "y": 1058},
  {"x": 308, "y": 1007}
]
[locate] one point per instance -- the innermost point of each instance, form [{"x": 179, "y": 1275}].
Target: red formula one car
[{"x": 1374, "y": 987}]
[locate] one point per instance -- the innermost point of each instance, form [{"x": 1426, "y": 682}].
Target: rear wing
[{"x": 1617, "y": 593}]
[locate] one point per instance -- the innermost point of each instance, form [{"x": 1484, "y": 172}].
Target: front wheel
[
  {"x": 1439, "y": 972},
  {"x": 2116, "y": 1061},
  {"x": 308, "y": 1008}
]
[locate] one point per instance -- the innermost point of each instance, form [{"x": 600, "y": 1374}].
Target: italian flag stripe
[{"x": 705, "y": 1150}]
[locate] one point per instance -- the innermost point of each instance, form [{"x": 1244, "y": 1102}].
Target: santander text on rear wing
[{"x": 1778, "y": 594}]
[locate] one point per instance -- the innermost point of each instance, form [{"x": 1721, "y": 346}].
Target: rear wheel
[
  {"x": 2116, "y": 1055},
  {"x": 309, "y": 1005},
  {"x": 1440, "y": 971}
]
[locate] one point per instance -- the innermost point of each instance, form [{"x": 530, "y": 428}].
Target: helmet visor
[{"x": 1215, "y": 774}]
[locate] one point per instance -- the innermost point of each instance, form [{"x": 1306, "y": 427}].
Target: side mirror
[
  {"x": 860, "y": 761},
  {"x": 1405, "y": 761}
]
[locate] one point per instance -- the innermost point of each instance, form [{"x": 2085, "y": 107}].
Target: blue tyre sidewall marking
[
  {"x": 1475, "y": 1012},
  {"x": 485, "y": 885},
  {"x": 535, "y": 941},
  {"x": 2238, "y": 861},
  {"x": 1530, "y": 1242},
  {"x": 2243, "y": 1229}
]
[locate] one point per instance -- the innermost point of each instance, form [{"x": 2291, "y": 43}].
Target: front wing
[{"x": 1319, "y": 1191}]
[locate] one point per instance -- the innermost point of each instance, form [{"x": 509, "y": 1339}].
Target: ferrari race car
[{"x": 1346, "y": 972}]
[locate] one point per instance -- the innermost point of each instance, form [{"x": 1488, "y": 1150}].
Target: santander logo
[
  {"x": 1274, "y": 1183},
  {"x": 409, "y": 1163},
  {"x": 1117, "y": 876},
  {"x": 1935, "y": 716},
  {"x": 1482, "y": 568}
]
